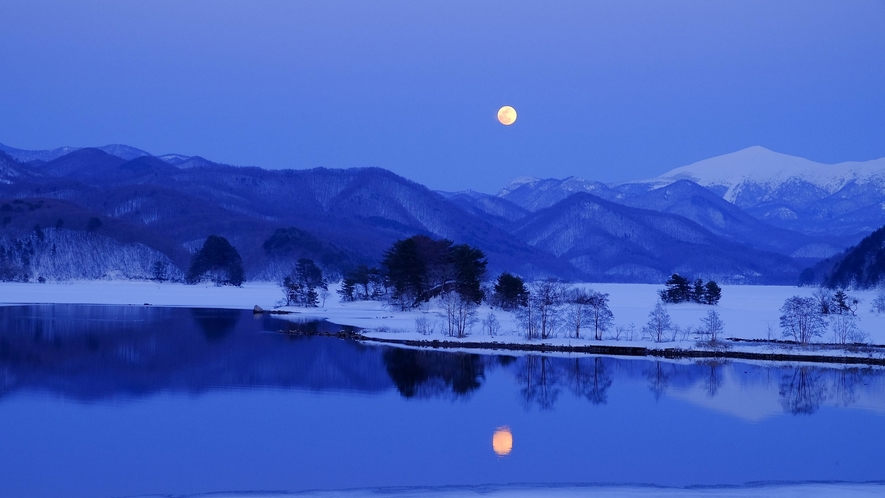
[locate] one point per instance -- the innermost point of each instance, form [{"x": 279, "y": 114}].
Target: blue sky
[{"x": 607, "y": 90}]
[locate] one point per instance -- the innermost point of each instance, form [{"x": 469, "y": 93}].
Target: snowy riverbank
[
  {"x": 777, "y": 490},
  {"x": 748, "y": 312}
]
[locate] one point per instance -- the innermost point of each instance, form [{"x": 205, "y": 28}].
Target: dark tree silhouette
[
  {"x": 510, "y": 292},
  {"x": 420, "y": 268},
  {"x": 676, "y": 290},
  {"x": 469, "y": 269},
  {"x": 301, "y": 286},
  {"x": 417, "y": 373},
  {"x": 362, "y": 283},
  {"x": 218, "y": 260}
]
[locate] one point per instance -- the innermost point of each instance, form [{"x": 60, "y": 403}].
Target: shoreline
[
  {"x": 670, "y": 353},
  {"x": 749, "y": 311}
]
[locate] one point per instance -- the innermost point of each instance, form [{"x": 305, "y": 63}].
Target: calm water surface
[{"x": 103, "y": 401}]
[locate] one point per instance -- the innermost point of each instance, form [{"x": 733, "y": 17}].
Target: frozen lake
[{"x": 108, "y": 401}]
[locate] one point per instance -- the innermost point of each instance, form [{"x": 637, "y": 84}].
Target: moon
[
  {"x": 502, "y": 441},
  {"x": 507, "y": 115}
]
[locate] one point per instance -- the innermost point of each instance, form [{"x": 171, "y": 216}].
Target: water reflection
[
  {"x": 92, "y": 353},
  {"x": 713, "y": 380},
  {"x": 502, "y": 441},
  {"x": 540, "y": 381},
  {"x": 216, "y": 323},
  {"x": 420, "y": 373}
]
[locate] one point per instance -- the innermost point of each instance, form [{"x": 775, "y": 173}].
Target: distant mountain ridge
[
  {"x": 121, "y": 151},
  {"x": 838, "y": 204},
  {"x": 164, "y": 207}
]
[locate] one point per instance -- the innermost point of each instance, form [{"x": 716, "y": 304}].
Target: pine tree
[
  {"x": 219, "y": 260},
  {"x": 510, "y": 291},
  {"x": 677, "y": 290},
  {"x": 697, "y": 291},
  {"x": 469, "y": 268},
  {"x": 712, "y": 293}
]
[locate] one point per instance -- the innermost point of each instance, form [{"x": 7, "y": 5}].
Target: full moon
[
  {"x": 507, "y": 115},
  {"x": 502, "y": 441}
]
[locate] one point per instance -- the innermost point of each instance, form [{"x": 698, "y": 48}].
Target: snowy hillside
[{"x": 736, "y": 173}]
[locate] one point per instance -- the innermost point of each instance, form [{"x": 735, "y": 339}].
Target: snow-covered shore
[
  {"x": 777, "y": 490},
  {"x": 749, "y": 312}
]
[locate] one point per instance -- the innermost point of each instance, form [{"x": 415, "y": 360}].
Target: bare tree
[
  {"x": 576, "y": 311},
  {"x": 423, "y": 325},
  {"x": 546, "y": 299},
  {"x": 490, "y": 324},
  {"x": 459, "y": 313},
  {"x": 845, "y": 329},
  {"x": 601, "y": 316},
  {"x": 659, "y": 323},
  {"x": 824, "y": 299},
  {"x": 801, "y": 319},
  {"x": 879, "y": 302},
  {"x": 711, "y": 327}
]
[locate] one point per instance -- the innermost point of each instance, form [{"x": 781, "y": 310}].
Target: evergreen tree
[
  {"x": 405, "y": 271},
  {"x": 219, "y": 260},
  {"x": 362, "y": 283},
  {"x": 712, "y": 293},
  {"x": 420, "y": 268},
  {"x": 844, "y": 304},
  {"x": 510, "y": 291},
  {"x": 677, "y": 290},
  {"x": 697, "y": 291},
  {"x": 300, "y": 287},
  {"x": 469, "y": 266}
]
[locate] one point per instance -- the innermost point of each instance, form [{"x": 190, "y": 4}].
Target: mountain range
[{"x": 114, "y": 211}]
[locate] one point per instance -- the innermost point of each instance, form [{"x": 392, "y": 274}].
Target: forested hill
[
  {"x": 155, "y": 210},
  {"x": 861, "y": 266},
  {"x": 116, "y": 210}
]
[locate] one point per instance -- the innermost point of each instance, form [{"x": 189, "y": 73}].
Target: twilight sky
[{"x": 605, "y": 90}]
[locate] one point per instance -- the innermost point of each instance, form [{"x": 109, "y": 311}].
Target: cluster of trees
[
  {"x": 552, "y": 306},
  {"x": 679, "y": 289},
  {"x": 363, "y": 283},
  {"x": 216, "y": 261},
  {"x": 660, "y": 327},
  {"x": 805, "y": 318},
  {"x": 305, "y": 285},
  {"x": 419, "y": 268}
]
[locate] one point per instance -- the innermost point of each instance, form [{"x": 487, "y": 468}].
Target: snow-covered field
[
  {"x": 786, "y": 490},
  {"x": 749, "y": 312}
]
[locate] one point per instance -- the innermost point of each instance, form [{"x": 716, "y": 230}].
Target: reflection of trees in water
[
  {"x": 803, "y": 390},
  {"x": 845, "y": 384},
  {"x": 539, "y": 381},
  {"x": 658, "y": 378},
  {"x": 432, "y": 373},
  {"x": 216, "y": 324},
  {"x": 588, "y": 378},
  {"x": 713, "y": 377}
]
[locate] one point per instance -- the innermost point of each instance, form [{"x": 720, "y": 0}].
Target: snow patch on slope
[{"x": 760, "y": 166}]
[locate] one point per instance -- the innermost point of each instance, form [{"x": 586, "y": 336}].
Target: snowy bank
[
  {"x": 780, "y": 490},
  {"x": 749, "y": 313}
]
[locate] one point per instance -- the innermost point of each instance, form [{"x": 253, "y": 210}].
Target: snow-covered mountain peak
[
  {"x": 516, "y": 183},
  {"x": 763, "y": 167}
]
